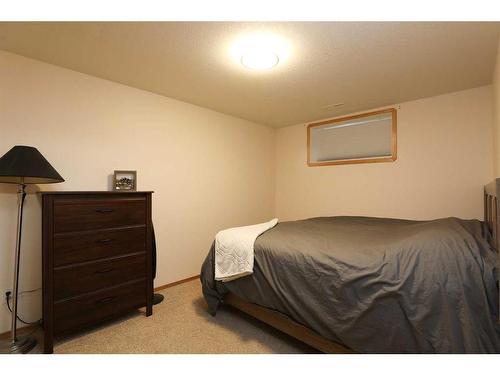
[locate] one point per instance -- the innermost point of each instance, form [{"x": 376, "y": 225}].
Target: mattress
[{"x": 376, "y": 285}]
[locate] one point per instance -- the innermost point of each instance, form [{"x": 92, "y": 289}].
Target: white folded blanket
[{"x": 234, "y": 249}]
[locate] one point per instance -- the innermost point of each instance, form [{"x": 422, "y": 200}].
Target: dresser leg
[{"x": 48, "y": 344}]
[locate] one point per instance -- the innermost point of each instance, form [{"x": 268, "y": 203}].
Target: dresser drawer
[
  {"x": 72, "y": 281},
  {"x": 88, "y": 214},
  {"x": 81, "y": 247},
  {"x": 95, "y": 307}
]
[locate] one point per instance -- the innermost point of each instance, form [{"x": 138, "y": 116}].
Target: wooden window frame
[{"x": 383, "y": 159}]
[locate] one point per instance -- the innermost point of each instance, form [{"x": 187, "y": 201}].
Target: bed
[{"x": 374, "y": 285}]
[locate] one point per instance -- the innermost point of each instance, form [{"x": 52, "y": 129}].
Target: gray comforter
[{"x": 377, "y": 285}]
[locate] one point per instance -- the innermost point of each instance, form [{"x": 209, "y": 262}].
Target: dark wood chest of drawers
[{"x": 97, "y": 258}]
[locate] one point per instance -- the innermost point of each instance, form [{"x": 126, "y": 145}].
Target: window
[{"x": 365, "y": 138}]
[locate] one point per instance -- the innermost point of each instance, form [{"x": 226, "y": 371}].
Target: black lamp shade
[{"x": 26, "y": 165}]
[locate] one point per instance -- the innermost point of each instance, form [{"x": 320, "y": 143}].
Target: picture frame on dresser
[
  {"x": 96, "y": 258},
  {"x": 125, "y": 181}
]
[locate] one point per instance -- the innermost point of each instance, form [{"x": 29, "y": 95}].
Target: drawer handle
[
  {"x": 104, "y": 241},
  {"x": 104, "y": 210},
  {"x": 106, "y": 300},
  {"x": 105, "y": 270}
]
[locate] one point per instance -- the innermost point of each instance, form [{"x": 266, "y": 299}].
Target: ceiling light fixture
[
  {"x": 260, "y": 59},
  {"x": 259, "y": 51}
]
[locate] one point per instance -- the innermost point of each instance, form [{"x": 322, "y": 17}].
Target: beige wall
[
  {"x": 209, "y": 171},
  {"x": 496, "y": 113},
  {"x": 445, "y": 155}
]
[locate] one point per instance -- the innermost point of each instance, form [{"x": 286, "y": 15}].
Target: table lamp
[{"x": 23, "y": 165}]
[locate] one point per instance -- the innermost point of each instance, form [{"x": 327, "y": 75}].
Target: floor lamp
[{"x": 22, "y": 165}]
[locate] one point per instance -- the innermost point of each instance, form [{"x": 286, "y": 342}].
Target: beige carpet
[{"x": 181, "y": 324}]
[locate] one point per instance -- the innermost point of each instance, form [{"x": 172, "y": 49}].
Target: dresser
[{"x": 97, "y": 258}]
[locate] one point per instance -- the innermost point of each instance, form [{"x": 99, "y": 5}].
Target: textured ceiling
[{"x": 361, "y": 64}]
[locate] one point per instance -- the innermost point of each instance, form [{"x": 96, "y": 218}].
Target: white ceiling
[{"x": 361, "y": 64}]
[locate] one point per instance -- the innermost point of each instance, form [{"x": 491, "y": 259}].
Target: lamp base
[{"x": 22, "y": 345}]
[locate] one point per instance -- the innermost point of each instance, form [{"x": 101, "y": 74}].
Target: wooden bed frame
[
  {"x": 286, "y": 325},
  {"x": 308, "y": 336},
  {"x": 491, "y": 212},
  {"x": 492, "y": 216}
]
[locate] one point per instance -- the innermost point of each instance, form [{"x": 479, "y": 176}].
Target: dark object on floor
[{"x": 158, "y": 298}]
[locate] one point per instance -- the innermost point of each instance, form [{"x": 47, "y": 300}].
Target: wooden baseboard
[{"x": 161, "y": 287}]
